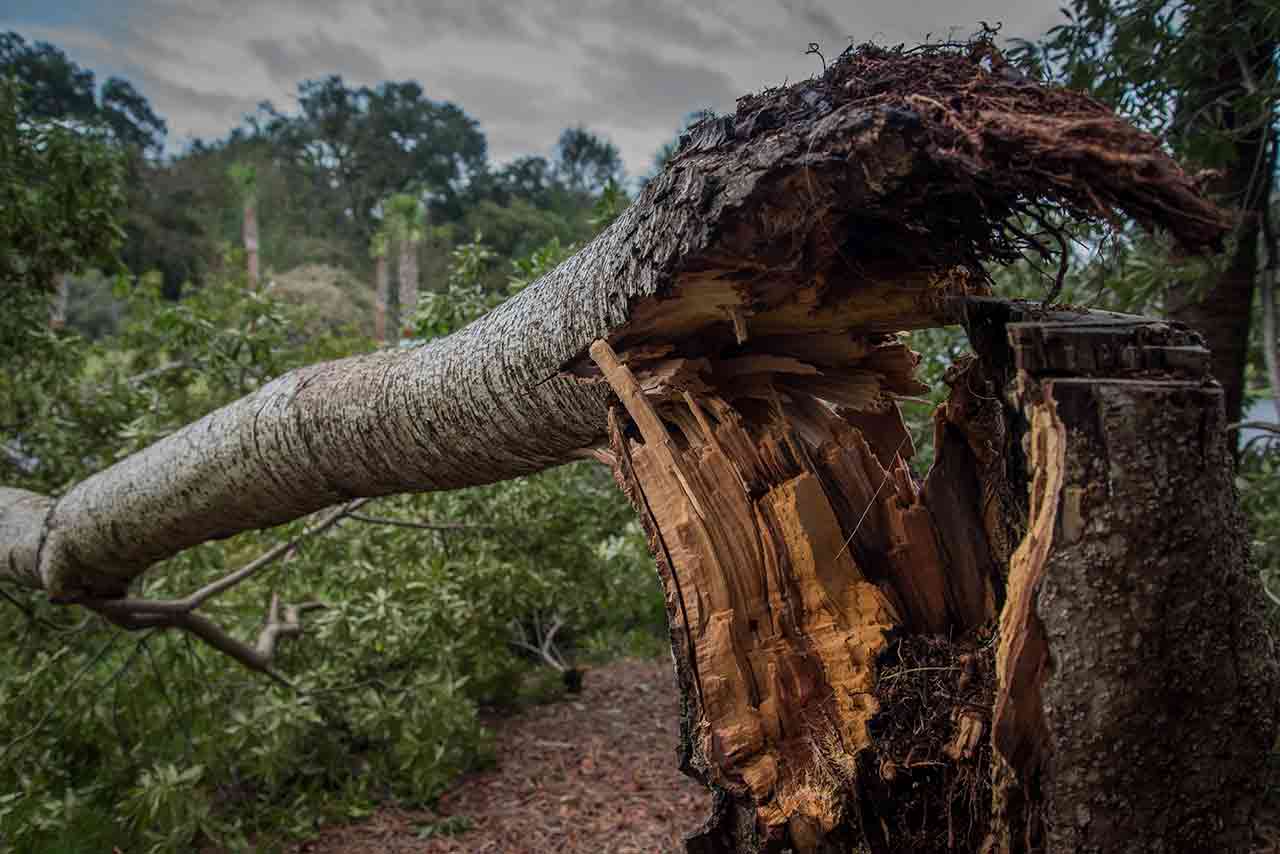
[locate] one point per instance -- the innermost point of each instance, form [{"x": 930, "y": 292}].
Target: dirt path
[{"x": 593, "y": 773}]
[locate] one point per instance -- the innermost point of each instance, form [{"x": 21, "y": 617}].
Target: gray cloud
[
  {"x": 628, "y": 69},
  {"x": 194, "y": 112},
  {"x": 315, "y": 54},
  {"x": 517, "y": 117},
  {"x": 815, "y": 21},
  {"x": 431, "y": 22},
  {"x": 635, "y": 88},
  {"x": 670, "y": 20}
]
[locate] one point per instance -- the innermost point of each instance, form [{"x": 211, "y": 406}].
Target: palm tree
[
  {"x": 381, "y": 286},
  {"x": 406, "y": 218},
  {"x": 245, "y": 178}
]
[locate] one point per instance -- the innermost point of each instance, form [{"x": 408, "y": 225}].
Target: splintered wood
[{"x": 791, "y": 538}]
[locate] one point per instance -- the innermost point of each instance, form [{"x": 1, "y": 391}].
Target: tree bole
[{"x": 866, "y": 659}]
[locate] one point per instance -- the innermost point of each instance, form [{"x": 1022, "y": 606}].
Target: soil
[{"x": 594, "y": 772}]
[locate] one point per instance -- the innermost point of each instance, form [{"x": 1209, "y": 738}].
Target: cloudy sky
[{"x": 630, "y": 69}]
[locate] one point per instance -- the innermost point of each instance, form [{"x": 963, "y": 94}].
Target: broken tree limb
[
  {"x": 135, "y": 614},
  {"x": 840, "y": 204},
  {"x": 865, "y": 660}
]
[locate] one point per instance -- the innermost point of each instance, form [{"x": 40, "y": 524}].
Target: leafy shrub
[{"x": 153, "y": 742}]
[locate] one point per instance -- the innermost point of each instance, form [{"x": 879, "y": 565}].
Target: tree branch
[
  {"x": 137, "y": 614},
  {"x": 424, "y": 526}
]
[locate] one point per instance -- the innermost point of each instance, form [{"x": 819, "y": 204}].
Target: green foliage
[
  {"x": 60, "y": 193},
  {"x": 1201, "y": 72},
  {"x": 61, "y": 91},
  {"x": 153, "y": 742},
  {"x": 466, "y": 296},
  {"x": 1258, "y": 480},
  {"x": 244, "y": 177}
]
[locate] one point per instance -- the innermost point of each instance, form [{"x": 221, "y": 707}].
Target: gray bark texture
[{"x": 1160, "y": 710}]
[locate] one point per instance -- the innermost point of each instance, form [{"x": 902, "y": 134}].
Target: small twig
[
  {"x": 872, "y": 502},
  {"x": 1064, "y": 257},
  {"x": 914, "y": 670},
  {"x": 159, "y": 370},
  {"x": 425, "y": 526},
  {"x": 137, "y": 614},
  {"x": 814, "y": 51},
  {"x": 75, "y": 680},
  {"x": 112, "y": 608},
  {"x": 1266, "y": 426}
]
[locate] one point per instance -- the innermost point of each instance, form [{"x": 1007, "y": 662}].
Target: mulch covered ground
[{"x": 596, "y": 772}]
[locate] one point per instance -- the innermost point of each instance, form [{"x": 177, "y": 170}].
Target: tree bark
[{"x": 860, "y": 653}]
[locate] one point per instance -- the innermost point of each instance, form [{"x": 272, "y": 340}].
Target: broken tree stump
[{"x": 1051, "y": 644}]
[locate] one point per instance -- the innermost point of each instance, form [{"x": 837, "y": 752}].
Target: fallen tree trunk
[
  {"x": 853, "y": 205},
  {"x": 743, "y": 313}
]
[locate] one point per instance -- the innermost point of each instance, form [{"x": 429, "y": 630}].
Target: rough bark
[
  {"x": 862, "y": 656},
  {"x": 848, "y": 199}
]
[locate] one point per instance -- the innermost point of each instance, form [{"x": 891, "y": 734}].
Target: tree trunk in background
[
  {"x": 408, "y": 285},
  {"x": 859, "y": 653},
  {"x": 381, "y": 295},
  {"x": 58, "y": 307},
  {"x": 1221, "y": 309},
  {"x": 250, "y": 229}
]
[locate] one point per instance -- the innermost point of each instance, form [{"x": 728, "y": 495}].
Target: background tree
[
  {"x": 1203, "y": 75},
  {"x": 50, "y": 170},
  {"x": 244, "y": 177},
  {"x": 406, "y": 223},
  {"x": 354, "y": 147},
  {"x": 585, "y": 162},
  {"x": 378, "y": 249}
]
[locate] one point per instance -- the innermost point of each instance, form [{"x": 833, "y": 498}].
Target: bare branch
[
  {"x": 543, "y": 644},
  {"x": 137, "y": 614},
  {"x": 1266, "y": 426},
  {"x": 115, "y": 608},
  {"x": 600, "y": 455},
  {"x": 424, "y": 526}
]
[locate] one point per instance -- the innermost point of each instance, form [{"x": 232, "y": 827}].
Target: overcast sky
[{"x": 628, "y": 69}]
